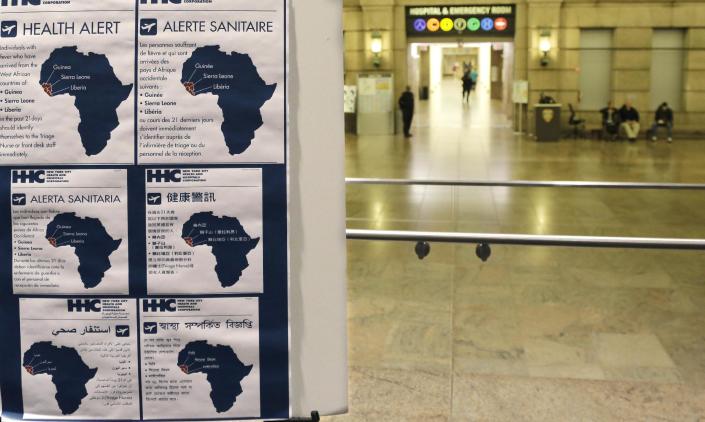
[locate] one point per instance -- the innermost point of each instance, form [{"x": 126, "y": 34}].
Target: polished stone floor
[{"x": 535, "y": 333}]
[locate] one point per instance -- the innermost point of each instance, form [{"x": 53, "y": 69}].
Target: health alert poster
[{"x": 144, "y": 246}]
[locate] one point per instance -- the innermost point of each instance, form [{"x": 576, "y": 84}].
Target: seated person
[
  {"x": 576, "y": 122},
  {"x": 610, "y": 121},
  {"x": 663, "y": 118},
  {"x": 629, "y": 117}
]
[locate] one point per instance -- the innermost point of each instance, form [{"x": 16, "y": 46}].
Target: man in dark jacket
[
  {"x": 663, "y": 118},
  {"x": 406, "y": 104},
  {"x": 629, "y": 116},
  {"x": 467, "y": 85},
  {"x": 610, "y": 121}
]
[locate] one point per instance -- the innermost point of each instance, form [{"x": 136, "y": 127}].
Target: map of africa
[
  {"x": 98, "y": 92},
  {"x": 224, "y": 371},
  {"x": 91, "y": 242},
  {"x": 67, "y": 370},
  {"x": 240, "y": 89},
  {"x": 228, "y": 240}
]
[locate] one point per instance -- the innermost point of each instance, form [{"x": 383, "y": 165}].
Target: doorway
[{"x": 435, "y": 72}]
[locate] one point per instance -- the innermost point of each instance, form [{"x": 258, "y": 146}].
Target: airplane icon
[
  {"x": 122, "y": 331},
  {"x": 19, "y": 199},
  {"x": 150, "y": 328},
  {"x": 8, "y": 29},
  {"x": 154, "y": 198},
  {"x": 148, "y": 27}
]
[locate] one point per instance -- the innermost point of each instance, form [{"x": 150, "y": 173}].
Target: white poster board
[
  {"x": 375, "y": 107},
  {"x": 318, "y": 292},
  {"x": 520, "y": 92},
  {"x": 375, "y": 93},
  {"x": 349, "y": 98}
]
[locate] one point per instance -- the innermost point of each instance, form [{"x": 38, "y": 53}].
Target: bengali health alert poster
[
  {"x": 200, "y": 358},
  {"x": 143, "y": 186}
]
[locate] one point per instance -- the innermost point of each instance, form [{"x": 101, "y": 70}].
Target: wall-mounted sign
[
  {"x": 453, "y": 21},
  {"x": 176, "y": 306},
  {"x": 520, "y": 92},
  {"x": 349, "y": 98}
]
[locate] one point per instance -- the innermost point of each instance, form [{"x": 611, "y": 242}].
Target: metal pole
[
  {"x": 526, "y": 184},
  {"x": 529, "y": 239}
]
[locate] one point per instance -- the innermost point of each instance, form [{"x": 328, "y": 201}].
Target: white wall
[
  {"x": 436, "y": 61},
  {"x": 485, "y": 68},
  {"x": 412, "y": 62},
  {"x": 317, "y": 195}
]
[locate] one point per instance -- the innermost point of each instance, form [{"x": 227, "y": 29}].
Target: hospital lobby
[{"x": 513, "y": 258}]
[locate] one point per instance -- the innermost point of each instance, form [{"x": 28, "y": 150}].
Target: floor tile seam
[{"x": 451, "y": 380}]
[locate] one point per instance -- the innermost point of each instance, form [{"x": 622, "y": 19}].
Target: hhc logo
[
  {"x": 28, "y": 176},
  {"x": 159, "y": 305},
  {"x": 84, "y": 305},
  {"x": 20, "y": 2},
  {"x": 164, "y": 176}
]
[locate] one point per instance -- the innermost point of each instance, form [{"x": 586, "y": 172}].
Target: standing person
[
  {"x": 467, "y": 85},
  {"x": 473, "y": 77},
  {"x": 663, "y": 118},
  {"x": 629, "y": 116},
  {"x": 406, "y": 104},
  {"x": 610, "y": 121}
]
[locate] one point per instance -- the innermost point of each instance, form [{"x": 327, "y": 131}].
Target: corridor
[{"x": 535, "y": 333}]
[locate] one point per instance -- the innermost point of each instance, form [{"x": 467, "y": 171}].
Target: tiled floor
[{"x": 535, "y": 333}]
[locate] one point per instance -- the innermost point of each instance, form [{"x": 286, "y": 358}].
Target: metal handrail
[
  {"x": 529, "y": 239},
  {"x": 485, "y": 239},
  {"x": 525, "y": 184}
]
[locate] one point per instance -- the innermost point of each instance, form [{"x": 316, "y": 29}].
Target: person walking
[
  {"x": 406, "y": 104},
  {"x": 467, "y": 85},
  {"x": 473, "y": 78},
  {"x": 663, "y": 118},
  {"x": 629, "y": 117}
]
